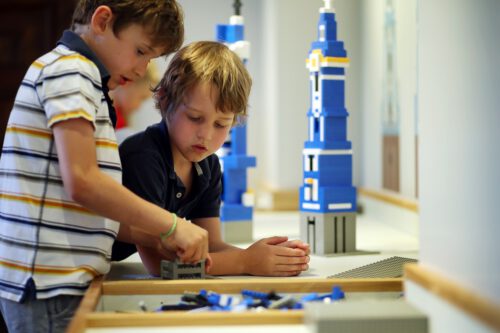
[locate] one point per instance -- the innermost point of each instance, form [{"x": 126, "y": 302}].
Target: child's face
[
  {"x": 125, "y": 55},
  {"x": 130, "y": 97},
  {"x": 197, "y": 129}
]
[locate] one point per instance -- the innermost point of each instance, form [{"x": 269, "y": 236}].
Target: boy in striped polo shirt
[{"x": 60, "y": 171}]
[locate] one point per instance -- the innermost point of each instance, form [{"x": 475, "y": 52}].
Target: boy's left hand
[
  {"x": 296, "y": 244},
  {"x": 276, "y": 256}
]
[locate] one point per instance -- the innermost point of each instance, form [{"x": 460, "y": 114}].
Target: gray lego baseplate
[
  {"x": 174, "y": 270},
  {"x": 387, "y": 268},
  {"x": 359, "y": 316}
]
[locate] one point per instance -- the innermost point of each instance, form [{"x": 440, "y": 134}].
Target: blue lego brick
[
  {"x": 220, "y": 32},
  {"x": 333, "y": 49},
  {"x": 338, "y": 194},
  {"x": 328, "y": 145},
  {"x": 333, "y": 170},
  {"x": 339, "y": 177},
  {"x": 336, "y": 129},
  {"x": 235, "y": 184},
  {"x": 333, "y": 161},
  {"x": 332, "y": 70},
  {"x": 239, "y": 140},
  {"x": 229, "y": 33},
  {"x": 231, "y": 212},
  {"x": 238, "y": 162},
  {"x": 331, "y": 195},
  {"x": 328, "y": 21},
  {"x": 333, "y": 93}
]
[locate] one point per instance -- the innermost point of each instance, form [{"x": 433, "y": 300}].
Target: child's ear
[{"x": 101, "y": 19}]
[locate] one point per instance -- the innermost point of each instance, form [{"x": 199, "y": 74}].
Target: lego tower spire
[
  {"x": 237, "y": 7},
  {"x": 327, "y": 197},
  {"x": 328, "y": 4}
]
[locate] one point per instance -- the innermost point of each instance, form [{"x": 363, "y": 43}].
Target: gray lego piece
[
  {"x": 360, "y": 316},
  {"x": 387, "y": 268},
  {"x": 328, "y": 233},
  {"x": 176, "y": 270},
  {"x": 237, "y": 232}
]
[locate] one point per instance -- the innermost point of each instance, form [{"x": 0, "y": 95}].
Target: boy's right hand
[{"x": 188, "y": 241}]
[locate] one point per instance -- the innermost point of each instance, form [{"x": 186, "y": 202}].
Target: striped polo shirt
[{"x": 47, "y": 240}]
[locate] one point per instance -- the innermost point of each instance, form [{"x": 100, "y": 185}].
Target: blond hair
[
  {"x": 205, "y": 62},
  {"x": 162, "y": 19}
]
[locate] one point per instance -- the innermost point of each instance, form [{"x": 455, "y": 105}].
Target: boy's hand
[
  {"x": 276, "y": 256},
  {"x": 297, "y": 244},
  {"x": 188, "y": 241}
]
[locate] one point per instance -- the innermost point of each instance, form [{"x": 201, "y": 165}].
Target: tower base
[
  {"x": 237, "y": 231},
  {"x": 329, "y": 233}
]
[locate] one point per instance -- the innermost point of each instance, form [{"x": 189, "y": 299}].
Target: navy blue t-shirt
[{"x": 148, "y": 171}]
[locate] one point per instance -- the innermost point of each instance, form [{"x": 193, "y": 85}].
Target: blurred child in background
[{"x": 128, "y": 98}]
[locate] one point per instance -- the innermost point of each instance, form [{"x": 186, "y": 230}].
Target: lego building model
[
  {"x": 176, "y": 270},
  {"x": 327, "y": 197},
  {"x": 237, "y": 204}
]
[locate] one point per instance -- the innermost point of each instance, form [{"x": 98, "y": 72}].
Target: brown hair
[
  {"x": 162, "y": 19},
  {"x": 205, "y": 62}
]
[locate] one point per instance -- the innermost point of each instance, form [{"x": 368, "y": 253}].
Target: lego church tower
[
  {"x": 237, "y": 203},
  {"x": 327, "y": 196}
]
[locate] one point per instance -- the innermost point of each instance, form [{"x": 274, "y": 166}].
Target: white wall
[
  {"x": 371, "y": 91},
  {"x": 459, "y": 108}
]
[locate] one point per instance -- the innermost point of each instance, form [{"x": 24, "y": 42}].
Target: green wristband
[{"x": 164, "y": 235}]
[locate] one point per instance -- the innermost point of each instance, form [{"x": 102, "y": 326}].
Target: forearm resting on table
[{"x": 223, "y": 263}]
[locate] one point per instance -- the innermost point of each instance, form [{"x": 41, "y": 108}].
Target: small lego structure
[
  {"x": 176, "y": 270},
  {"x": 327, "y": 197}
]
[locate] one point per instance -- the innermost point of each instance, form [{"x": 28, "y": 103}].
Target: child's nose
[
  {"x": 205, "y": 132},
  {"x": 141, "y": 68}
]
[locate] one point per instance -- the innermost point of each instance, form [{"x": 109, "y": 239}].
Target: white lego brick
[
  {"x": 338, "y": 206},
  {"x": 315, "y": 187},
  {"x": 307, "y": 205},
  {"x": 241, "y": 48},
  {"x": 332, "y": 77},
  {"x": 321, "y": 33},
  {"x": 311, "y": 129},
  {"x": 315, "y": 163},
  {"x": 248, "y": 199},
  {"x": 334, "y": 64},
  {"x": 307, "y": 193},
  {"x": 317, "y": 151},
  {"x": 236, "y": 20}
]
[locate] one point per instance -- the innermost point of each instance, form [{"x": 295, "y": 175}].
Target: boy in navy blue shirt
[{"x": 172, "y": 164}]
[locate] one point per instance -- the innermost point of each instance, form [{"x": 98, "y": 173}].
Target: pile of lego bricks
[{"x": 249, "y": 300}]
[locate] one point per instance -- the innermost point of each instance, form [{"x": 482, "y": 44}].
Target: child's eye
[
  {"x": 194, "y": 119},
  {"x": 221, "y": 125},
  {"x": 140, "y": 52}
]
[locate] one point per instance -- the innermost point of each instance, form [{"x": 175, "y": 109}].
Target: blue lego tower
[
  {"x": 327, "y": 197},
  {"x": 237, "y": 203}
]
